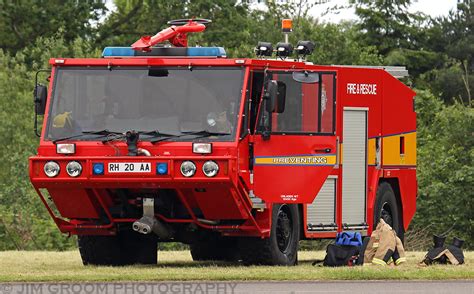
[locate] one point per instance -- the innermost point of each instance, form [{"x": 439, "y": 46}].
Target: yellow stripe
[
  {"x": 391, "y": 150},
  {"x": 371, "y": 153},
  {"x": 378, "y": 261},
  {"x": 400, "y": 260},
  {"x": 298, "y": 160}
]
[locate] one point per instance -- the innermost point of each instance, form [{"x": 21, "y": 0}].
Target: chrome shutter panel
[
  {"x": 354, "y": 166},
  {"x": 322, "y": 210}
]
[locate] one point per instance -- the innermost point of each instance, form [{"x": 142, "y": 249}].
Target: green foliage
[
  {"x": 24, "y": 223},
  {"x": 21, "y": 22},
  {"x": 438, "y": 52},
  {"x": 445, "y": 167}
]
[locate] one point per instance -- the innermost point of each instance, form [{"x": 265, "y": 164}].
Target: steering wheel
[{"x": 183, "y": 21}]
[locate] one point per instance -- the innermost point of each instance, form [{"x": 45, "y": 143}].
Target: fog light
[
  {"x": 210, "y": 168},
  {"x": 188, "y": 168},
  {"x": 74, "y": 169},
  {"x": 162, "y": 168},
  {"x": 65, "y": 148},
  {"x": 51, "y": 169},
  {"x": 98, "y": 168},
  {"x": 202, "y": 148}
]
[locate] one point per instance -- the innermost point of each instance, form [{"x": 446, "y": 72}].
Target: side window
[
  {"x": 327, "y": 103},
  {"x": 301, "y": 107},
  {"x": 309, "y": 107}
]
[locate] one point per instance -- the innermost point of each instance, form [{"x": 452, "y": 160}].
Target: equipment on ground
[{"x": 239, "y": 157}]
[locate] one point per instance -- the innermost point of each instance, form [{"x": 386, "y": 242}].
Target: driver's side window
[{"x": 301, "y": 107}]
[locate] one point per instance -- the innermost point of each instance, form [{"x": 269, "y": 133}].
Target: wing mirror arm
[{"x": 40, "y": 96}]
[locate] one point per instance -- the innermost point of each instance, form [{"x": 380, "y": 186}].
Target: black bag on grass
[{"x": 341, "y": 255}]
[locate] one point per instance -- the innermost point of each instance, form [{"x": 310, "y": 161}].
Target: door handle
[{"x": 326, "y": 150}]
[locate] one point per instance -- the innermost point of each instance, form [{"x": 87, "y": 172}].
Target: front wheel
[
  {"x": 127, "y": 248},
  {"x": 281, "y": 248},
  {"x": 387, "y": 208}
]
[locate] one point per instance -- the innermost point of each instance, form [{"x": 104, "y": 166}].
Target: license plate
[{"x": 129, "y": 167}]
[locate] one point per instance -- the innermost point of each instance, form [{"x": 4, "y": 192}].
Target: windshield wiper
[
  {"x": 199, "y": 134},
  {"x": 157, "y": 134},
  {"x": 206, "y": 133},
  {"x": 104, "y": 132}
]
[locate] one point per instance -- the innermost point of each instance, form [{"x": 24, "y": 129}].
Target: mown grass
[{"x": 40, "y": 266}]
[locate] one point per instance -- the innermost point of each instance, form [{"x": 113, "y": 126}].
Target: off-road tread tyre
[
  {"x": 385, "y": 194},
  {"x": 258, "y": 251},
  {"x": 99, "y": 250},
  {"x": 124, "y": 249},
  {"x": 214, "y": 248}
]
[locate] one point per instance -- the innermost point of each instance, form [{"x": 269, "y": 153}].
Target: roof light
[
  {"x": 284, "y": 50},
  {"x": 304, "y": 48},
  {"x": 264, "y": 49},
  {"x": 287, "y": 25},
  {"x": 207, "y": 51},
  {"x": 165, "y": 51}
]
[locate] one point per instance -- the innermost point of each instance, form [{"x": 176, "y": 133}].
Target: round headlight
[
  {"x": 74, "y": 169},
  {"x": 188, "y": 169},
  {"x": 51, "y": 169},
  {"x": 210, "y": 168}
]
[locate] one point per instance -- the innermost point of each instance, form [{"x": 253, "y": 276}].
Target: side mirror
[
  {"x": 281, "y": 97},
  {"x": 275, "y": 95},
  {"x": 271, "y": 95},
  {"x": 40, "y": 96}
]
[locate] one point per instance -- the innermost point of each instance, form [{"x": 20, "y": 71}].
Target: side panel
[
  {"x": 354, "y": 168},
  {"x": 321, "y": 214}
]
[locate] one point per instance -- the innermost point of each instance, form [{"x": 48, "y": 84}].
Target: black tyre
[
  {"x": 387, "y": 208},
  {"x": 281, "y": 248},
  {"x": 124, "y": 249},
  {"x": 99, "y": 250},
  {"x": 214, "y": 247}
]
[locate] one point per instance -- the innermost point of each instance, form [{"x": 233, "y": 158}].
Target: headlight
[
  {"x": 188, "y": 168},
  {"x": 74, "y": 169},
  {"x": 210, "y": 168},
  {"x": 51, "y": 169}
]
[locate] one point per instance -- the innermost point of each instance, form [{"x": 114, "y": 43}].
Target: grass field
[{"x": 35, "y": 266}]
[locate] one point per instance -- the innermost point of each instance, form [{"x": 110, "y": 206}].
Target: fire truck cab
[{"x": 239, "y": 158}]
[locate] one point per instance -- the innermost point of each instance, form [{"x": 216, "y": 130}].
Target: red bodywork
[{"x": 84, "y": 202}]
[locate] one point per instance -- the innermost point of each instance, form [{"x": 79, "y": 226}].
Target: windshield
[{"x": 174, "y": 101}]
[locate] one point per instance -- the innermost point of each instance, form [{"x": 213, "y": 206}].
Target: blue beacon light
[
  {"x": 98, "y": 168},
  {"x": 162, "y": 168}
]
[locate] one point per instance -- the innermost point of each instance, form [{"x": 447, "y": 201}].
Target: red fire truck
[{"x": 241, "y": 158}]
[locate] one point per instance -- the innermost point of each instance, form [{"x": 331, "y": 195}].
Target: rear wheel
[
  {"x": 214, "y": 247},
  {"x": 281, "y": 248},
  {"x": 387, "y": 208},
  {"x": 125, "y": 249}
]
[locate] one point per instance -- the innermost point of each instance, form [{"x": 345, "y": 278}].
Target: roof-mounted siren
[
  {"x": 304, "y": 48},
  {"x": 264, "y": 49},
  {"x": 176, "y": 34}
]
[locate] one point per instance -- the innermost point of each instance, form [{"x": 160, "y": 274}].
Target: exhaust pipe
[{"x": 148, "y": 223}]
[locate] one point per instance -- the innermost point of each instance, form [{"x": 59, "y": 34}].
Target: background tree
[{"x": 21, "y": 22}]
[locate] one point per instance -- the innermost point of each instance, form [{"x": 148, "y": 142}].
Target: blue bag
[{"x": 349, "y": 238}]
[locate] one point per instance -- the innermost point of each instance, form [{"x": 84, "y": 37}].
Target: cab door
[{"x": 295, "y": 146}]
